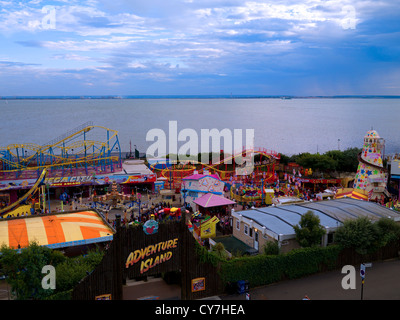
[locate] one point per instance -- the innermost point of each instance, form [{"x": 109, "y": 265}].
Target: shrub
[
  {"x": 271, "y": 248},
  {"x": 265, "y": 269},
  {"x": 73, "y": 270},
  {"x": 219, "y": 250},
  {"x": 360, "y": 234},
  {"x": 388, "y": 230}
]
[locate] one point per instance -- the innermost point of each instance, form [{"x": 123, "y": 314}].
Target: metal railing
[{"x": 69, "y": 133}]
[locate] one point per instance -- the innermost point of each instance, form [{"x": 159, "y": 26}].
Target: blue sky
[{"x": 191, "y": 47}]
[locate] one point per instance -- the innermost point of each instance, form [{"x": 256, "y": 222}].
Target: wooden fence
[
  {"x": 351, "y": 257},
  {"x": 133, "y": 254}
]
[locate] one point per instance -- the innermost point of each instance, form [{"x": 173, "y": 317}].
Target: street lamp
[{"x": 184, "y": 190}]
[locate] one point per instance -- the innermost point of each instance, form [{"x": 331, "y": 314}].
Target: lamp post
[
  {"x": 184, "y": 190},
  {"x": 48, "y": 194}
]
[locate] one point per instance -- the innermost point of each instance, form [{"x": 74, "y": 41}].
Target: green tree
[
  {"x": 317, "y": 161},
  {"x": 350, "y": 160},
  {"x": 347, "y": 160},
  {"x": 309, "y": 231},
  {"x": 219, "y": 250},
  {"x": 360, "y": 234},
  {"x": 24, "y": 269},
  {"x": 73, "y": 270},
  {"x": 343, "y": 161},
  {"x": 388, "y": 230}
]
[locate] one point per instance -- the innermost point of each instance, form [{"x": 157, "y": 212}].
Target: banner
[
  {"x": 69, "y": 181},
  {"x": 320, "y": 180}
]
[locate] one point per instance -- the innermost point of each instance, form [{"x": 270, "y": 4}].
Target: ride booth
[
  {"x": 218, "y": 209},
  {"x": 204, "y": 227}
]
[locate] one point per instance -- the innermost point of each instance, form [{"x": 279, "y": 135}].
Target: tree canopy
[
  {"x": 309, "y": 231},
  {"x": 365, "y": 236},
  {"x": 334, "y": 160},
  {"x": 23, "y": 270}
]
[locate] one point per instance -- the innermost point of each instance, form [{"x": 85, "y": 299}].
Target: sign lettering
[{"x": 143, "y": 255}]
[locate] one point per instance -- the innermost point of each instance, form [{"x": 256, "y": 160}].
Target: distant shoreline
[{"x": 283, "y": 97}]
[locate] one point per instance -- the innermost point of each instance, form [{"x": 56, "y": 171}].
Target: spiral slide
[{"x": 27, "y": 195}]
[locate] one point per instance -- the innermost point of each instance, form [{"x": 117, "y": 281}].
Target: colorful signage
[
  {"x": 69, "y": 181},
  {"x": 207, "y": 229},
  {"x": 320, "y": 180},
  {"x": 103, "y": 297},
  {"x": 141, "y": 178},
  {"x": 152, "y": 255},
  {"x": 198, "y": 284},
  {"x": 150, "y": 227}
]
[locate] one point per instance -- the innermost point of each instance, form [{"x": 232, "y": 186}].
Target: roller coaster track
[
  {"x": 27, "y": 195},
  {"x": 261, "y": 151},
  {"x": 64, "y": 151}
]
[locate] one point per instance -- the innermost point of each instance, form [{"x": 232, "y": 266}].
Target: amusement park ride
[
  {"x": 90, "y": 150},
  {"x": 114, "y": 196},
  {"x": 227, "y": 169},
  {"x": 85, "y": 150}
]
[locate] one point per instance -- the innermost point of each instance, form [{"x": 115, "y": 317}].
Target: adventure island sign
[
  {"x": 152, "y": 255},
  {"x": 153, "y": 249}
]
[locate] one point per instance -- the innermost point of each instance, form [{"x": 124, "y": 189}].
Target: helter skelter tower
[{"x": 371, "y": 175}]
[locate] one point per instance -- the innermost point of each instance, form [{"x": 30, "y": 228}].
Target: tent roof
[
  {"x": 212, "y": 200},
  {"x": 55, "y": 231}
]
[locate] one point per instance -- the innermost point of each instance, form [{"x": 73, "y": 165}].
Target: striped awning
[
  {"x": 55, "y": 231},
  {"x": 351, "y": 194}
]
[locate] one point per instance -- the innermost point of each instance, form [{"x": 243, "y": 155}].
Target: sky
[{"x": 199, "y": 47}]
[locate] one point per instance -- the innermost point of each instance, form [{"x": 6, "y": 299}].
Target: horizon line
[{"x": 196, "y": 96}]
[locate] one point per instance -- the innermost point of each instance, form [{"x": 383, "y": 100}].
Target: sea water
[{"x": 288, "y": 126}]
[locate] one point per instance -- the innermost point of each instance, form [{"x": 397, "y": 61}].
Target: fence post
[{"x": 118, "y": 271}]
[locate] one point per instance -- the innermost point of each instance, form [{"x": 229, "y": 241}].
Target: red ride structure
[{"x": 260, "y": 166}]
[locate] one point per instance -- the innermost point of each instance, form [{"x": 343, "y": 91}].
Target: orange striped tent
[
  {"x": 55, "y": 231},
  {"x": 351, "y": 193}
]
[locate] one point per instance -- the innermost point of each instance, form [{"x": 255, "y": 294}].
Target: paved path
[
  {"x": 153, "y": 289},
  {"x": 382, "y": 282}
]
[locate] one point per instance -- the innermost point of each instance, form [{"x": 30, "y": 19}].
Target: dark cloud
[
  {"x": 6, "y": 63},
  {"x": 95, "y": 22},
  {"x": 31, "y": 43}
]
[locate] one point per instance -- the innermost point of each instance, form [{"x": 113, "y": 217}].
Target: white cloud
[
  {"x": 167, "y": 39},
  {"x": 68, "y": 56}
]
